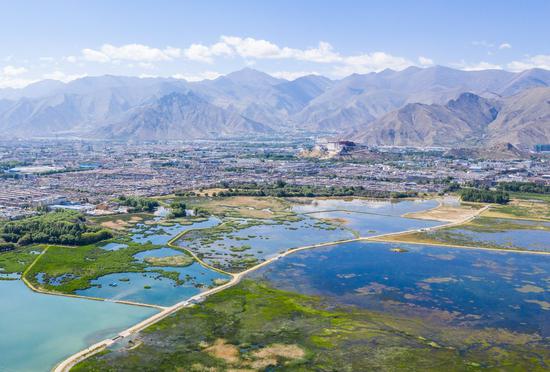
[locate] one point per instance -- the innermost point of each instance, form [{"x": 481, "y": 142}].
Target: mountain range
[{"x": 416, "y": 106}]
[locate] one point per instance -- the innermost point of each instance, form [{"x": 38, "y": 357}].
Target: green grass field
[{"x": 85, "y": 263}]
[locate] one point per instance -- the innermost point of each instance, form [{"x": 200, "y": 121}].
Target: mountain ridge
[{"x": 266, "y": 104}]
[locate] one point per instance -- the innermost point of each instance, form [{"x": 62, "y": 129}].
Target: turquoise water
[
  {"x": 367, "y": 224},
  {"x": 464, "y": 287},
  {"x": 159, "y": 235},
  {"x": 163, "y": 291},
  {"x": 383, "y": 207},
  {"x": 39, "y": 331}
]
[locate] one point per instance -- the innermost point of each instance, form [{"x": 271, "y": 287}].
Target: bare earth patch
[
  {"x": 268, "y": 356},
  {"x": 115, "y": 225},
  {"x": 220, "y": 349},
  {"x": 529, "y": 288},
  {"x": 336, "y": 220},
  {"x": 543, "y": 304},
  {"x": 446, "y": 213},
  {"x": 248, "y": 206}
]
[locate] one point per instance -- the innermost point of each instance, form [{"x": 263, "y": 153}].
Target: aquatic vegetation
[
  {"x": 159, "y": 285},
  {"x": 457, "y": 287},
  {"x": 487, "y": 232},
  {"x": 223, "y": 246},
  {"x": 254, "y": 326},
  {"x": 179, "y": 260},
  {"x": 18, "y": 260}
]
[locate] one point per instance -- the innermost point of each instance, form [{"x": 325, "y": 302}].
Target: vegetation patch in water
[
  {"x": 255, "y": 327},
  {"x": 179, "y": 260}
]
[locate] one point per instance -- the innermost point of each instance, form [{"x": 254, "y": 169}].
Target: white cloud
[
  {"x": 71, "y": 59},
  {"x": 477, "y": 66},
  {"x": 292, "y": 75},
  {"x": 11, "y": 71},
  {"x": 61, "y": 76},
  {"x": 10, "y": 77},
  {"x": 205, "y": 75},
  {"x": 252, "y": 49},
  {"x": 6, "y": 82},
  {"x": 130, "y": 52},
  {"x": 202, "y": 53},
  {"x": 94, "y": 56},
  {"x": 322, "y": 54},
  {"x": 259, "y": 49},
  {"x": 538, "y": 61},
  {"x": 505, "y": 46},
  {"x": 424, "y": 61},
  {"x": 371, "y": 62}
]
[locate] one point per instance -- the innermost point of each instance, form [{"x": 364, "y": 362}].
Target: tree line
[
  {"x": 484, "y": 195},
  {"x": 532, "y": 187},
  {"x": 138, "y": 203},
  {"x": 58, "y": 227},
  {"x": 282, "y": 189}
]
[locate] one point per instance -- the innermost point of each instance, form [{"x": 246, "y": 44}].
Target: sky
[{"x": 195, "y": 40}]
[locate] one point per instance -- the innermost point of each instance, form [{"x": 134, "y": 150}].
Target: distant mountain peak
[{"x": 249, "y": 75}]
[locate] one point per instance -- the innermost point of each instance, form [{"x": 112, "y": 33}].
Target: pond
[
  {"x": 151, "y": 288},
  {"x": 114, "y": 246},
  {"x": 460, "y": 286},
  {"x": 367, "y": 224},
  {"x": 39, "y": 331},
  {"x": 382, "y": 207},
  {"x": 261, "y": 241},
  {"x": 531, "y": 236},
  {"x": 158, "y": 234}
]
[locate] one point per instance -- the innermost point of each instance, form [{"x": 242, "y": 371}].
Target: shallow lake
[
  {"x": 530, "y": 239},
  {"x": 267, "y": 240},
  {"x": 159, "y": 235},
  {"x": 367, "y": 224},
  {"x": 383, "y": 207},
  {"x": 38, "y": 331},
  {"x": 476, "y": 287},
  {"x": 151, "y": 288}
]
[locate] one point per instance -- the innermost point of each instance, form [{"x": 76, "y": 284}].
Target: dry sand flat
[{"x": 446, "y": 213}]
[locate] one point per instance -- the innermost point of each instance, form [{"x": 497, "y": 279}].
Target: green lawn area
[
  {"x": 255, "y": 327},
  {"x": 523, "y": 205},
  {"x": 85, "y": 263},
  {"x": 18, "y": 260},
  {"x": 530, "y": 196}
]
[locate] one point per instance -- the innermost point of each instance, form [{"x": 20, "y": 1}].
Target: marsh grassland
[{"x": 255, "y": 327}]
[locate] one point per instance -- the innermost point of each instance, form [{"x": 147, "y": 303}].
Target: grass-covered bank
[
  {"x": 255, "y": 327},
  {"x": 17, "y": 260},
  {"x": 486, "y": 232},
  {"x": 68, "y": 269}
]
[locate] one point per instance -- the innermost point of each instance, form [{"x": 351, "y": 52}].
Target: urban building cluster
[{"x": 84, "y": 175}]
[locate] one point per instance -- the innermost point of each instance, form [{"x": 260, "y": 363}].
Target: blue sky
[{"x": 203, "y": 39}]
